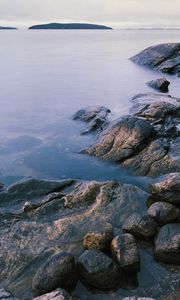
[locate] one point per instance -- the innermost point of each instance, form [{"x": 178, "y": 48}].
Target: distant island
[
  {"x": 70, "y": 26},
  {"x": 7, "y": 28}
]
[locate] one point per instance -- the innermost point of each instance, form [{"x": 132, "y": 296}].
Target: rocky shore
[{"x": 76, "y": 239}]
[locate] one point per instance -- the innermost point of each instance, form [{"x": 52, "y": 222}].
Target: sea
[{"x": 46, "y": 76}]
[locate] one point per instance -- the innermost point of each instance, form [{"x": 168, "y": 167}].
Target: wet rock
[
  {"x": 98, "y": 270},
  {"x": 143, "y": 227},
  {"x": 164, "y": 212},
  {"x": 58, "y": 294},
  {"x": 123, "y": 138},
  {"x": 125, "y": 252},
  {"x": 160, "y": 84},
  {"x": 58, "y": 271},
  {"x": 95, "y": 116},
  {"x": 167, "y": 189},
  {"x": 167, "y": 244},
  {"x": 138, "y": 298},
  {"x": 27, "y": 206},
  {"x": 99, "y": 237},
  {"x": 163, "y": 57}
]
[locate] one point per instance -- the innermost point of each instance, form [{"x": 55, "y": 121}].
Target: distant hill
[
  {"x": 70, "y": 26},
  {"x": 7, "y": 28}
]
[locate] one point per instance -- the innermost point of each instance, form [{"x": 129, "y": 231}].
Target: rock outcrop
[
  {"x": 160, "y": 84},
  {"x": 70, "y": 26},
  {"x": 163, "y": 57}
]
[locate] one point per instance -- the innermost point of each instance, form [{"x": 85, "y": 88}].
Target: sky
[{"x": 118, "y": 13}]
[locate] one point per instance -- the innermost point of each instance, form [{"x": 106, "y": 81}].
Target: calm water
[{"x": 46, "y": 76}]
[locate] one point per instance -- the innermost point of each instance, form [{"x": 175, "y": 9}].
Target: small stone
[
  {"x": 141, "y": 226},
  {"x": 164, "y": 212},
  {"x": 99, "y": 237},
  {"x": 125, "y": 252},
  {"x": 58, "y": 271},
  {"x": 167, "y": 244},
  {"x": 160, "y": 84},
  {"x": 27, "y": 206},
  {"x": 98, "y": 270}
]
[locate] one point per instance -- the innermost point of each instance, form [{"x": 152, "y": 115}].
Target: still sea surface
[{"x": 46, "y": 76}]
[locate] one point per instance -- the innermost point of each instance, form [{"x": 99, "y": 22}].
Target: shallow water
[{"x": 46, "y": 76}]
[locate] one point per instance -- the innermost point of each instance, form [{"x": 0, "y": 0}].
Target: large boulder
[
  {"x": 167, "y": 244},
  {"x": 160, "y": 84},
  {"x": 163, "y": 57},
  {"x": 164, "y": 212},
  {"x": 167, "y": 188},
  {"x": 98, "y": 270},
  {"x": 141, "y": 226},
  {"x": 125, "y": 252},
  {"x": 58, "y": 271}
]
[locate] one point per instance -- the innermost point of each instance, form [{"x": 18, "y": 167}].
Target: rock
[
  {"x": 160, "y": 84},
  {"x": 58, "y": 294},
  {"x": 167, "y": 244},
  {"x": 27, "y": 206},
  {"x": 138, "y": 298},
  {"x": 143, "y": 227},
  {"x": 58, "y": 271},
  {"x": 164, "y": 212},
  {"x": 4, "y": 295},
  {"x": 95, "y": 116},
  {"x": 167, "y": 189},
  {"x": 163, "y": 57},
  {"x": 122, "y": 139},
  {"x": 98, "y": 270},
  {"x": 99, "y": 237},
  {"x": 125, "y": 252}
]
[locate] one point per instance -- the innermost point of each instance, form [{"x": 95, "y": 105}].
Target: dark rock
[
  {"x": 167, "y": 189},
  {"x": 138, "y": 298},
  {"x": 7, "y": 28},
  {"x": 163, "y": 57},
  {"x": 58, "y": 271},
  {"x": 160, "y": 84},
  {"x": 143, "y": 227},
  {"x": 99, "y": 237},
  {"x": 125, "y": 252},
  {"x": 27, "y": 206},
  {"x": 70, "y": 26},
  {"x": 167, "y": 244},
  {"x": 95, "y": 116},
  {"x": 4, "y": 295},
  {"x": 58, "y": 294},
  {"x": 98, "y": 270},
  {"x": 164, "y": 212}
]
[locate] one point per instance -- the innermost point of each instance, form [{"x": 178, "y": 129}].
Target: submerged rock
[
  {"x": 98, "y": 270},
  {"x": 95, "y": 116},
  {"x": 99, "y": 237},
  {"x": 167, "y": 244},
  {"x": 58, "y": 294},
  {"x": 164, "y": 212},
  {"x": 58, "y": 271},
  {"x": 163, "y": 57},
  {"x": 160, "y": 84},
  {"x": 141, "y": 226},
  {"x": 167, "y": 188},
  {"x": 125, "y": 252}
]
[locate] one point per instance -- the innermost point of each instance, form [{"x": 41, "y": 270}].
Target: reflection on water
[{"x": 45, "y": 77}]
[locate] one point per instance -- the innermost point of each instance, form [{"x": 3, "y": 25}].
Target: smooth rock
[
  {"x": 99, "y": 237},
  {"x": 160, "y": 84},
  {"x": 167, "y": 189},
  {"x": 125, "y": 252},
  {"x": 167, "y": 244},
  {"x": 141, "y": 226},
  {"x": 58, "y": 271},
  {"x": 58, "y": 294},
  {"x": 164, "y": 212},
  {"x": 98, "y": 270}
]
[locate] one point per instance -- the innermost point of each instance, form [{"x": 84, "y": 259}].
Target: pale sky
[{"x": 122, "y": 13}]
